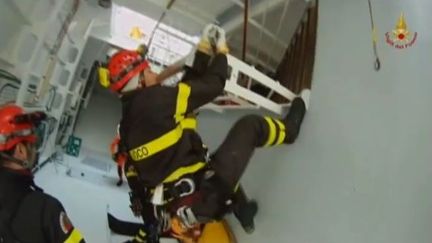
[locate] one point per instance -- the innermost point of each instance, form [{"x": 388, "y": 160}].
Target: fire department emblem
[{"x": 401, "y": 37}]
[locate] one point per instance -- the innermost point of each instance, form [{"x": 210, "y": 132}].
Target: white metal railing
[{"x": 244, "y": 97}]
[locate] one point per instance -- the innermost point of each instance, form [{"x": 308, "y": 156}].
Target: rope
[
  {"x": 168, "y": 7},
  {"x": 377, "y": 63}
]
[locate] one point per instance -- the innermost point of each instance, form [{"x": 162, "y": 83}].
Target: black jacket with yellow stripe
[
  {"x": 155, "y": 129},
  {"x": 29, "y": 215}
]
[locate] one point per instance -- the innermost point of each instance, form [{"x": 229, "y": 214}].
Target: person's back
[
  {"x": 27, "y": 214},
  {"x": 149, "y": 114}
]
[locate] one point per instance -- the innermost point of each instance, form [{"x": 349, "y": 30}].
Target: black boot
[
  {"x": 245, "y": 210},
  {"x": 245, "y": 214},
  {"x": 120, "y": 182},
  {"x": 294, "y": 119}
]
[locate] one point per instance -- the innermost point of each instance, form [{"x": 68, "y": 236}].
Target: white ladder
[{"x": 240, "y": 97}]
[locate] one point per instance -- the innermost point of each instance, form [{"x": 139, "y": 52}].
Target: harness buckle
[{"x": 189, "y": 182}]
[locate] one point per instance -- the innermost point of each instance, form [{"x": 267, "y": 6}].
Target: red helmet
[
  {"x": 122, "y": 67},
  {"x": 17, "y": 126}
]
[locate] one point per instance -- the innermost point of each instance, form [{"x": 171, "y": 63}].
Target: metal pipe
[
  {"x": 263, "y": 23},
  {"x": 245, "y": 24}
]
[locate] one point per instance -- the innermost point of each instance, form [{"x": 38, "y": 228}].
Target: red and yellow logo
[
  {"x": 136, "y": 33},
  {"x": 401, "y": 37}
]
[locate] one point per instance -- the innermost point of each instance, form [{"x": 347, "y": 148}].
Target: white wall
[
  {"x": 97, "y": 124},
  {"x": 361, "y": 168}
]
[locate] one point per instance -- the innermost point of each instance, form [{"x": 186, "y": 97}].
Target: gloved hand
[
  {"x": 221, "y": 44},
  {"x": 213, "y": 40},
  {"x": 208, "y": 40}
]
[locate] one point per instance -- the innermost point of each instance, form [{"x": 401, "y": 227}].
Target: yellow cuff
[
  {"x": 205, "y": 47},
  {"x": 223, "y": 49}
]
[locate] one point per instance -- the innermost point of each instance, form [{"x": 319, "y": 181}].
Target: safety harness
[{"x": 183, "y": 181}]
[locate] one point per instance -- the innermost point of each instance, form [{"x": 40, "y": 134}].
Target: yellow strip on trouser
[
  {"x": 274, "y": 137},
  {"x": 163, "y": 142},
  {"x": 140, "y": 237},
  {"x": 74, "y": 237}
]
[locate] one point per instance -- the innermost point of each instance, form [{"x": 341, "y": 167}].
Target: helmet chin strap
[
  {"x": 23, "y": 163},
  {"x": 133, "y": 84}
]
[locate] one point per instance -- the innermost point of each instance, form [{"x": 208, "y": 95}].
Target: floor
[{"x": 87, "y": 192}]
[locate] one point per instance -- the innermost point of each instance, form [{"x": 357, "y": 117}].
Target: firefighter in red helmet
[
  {"x": 27, "y": 214},
  {"x": 177, "y": 176},
  {"x": 118, "y": 156}
]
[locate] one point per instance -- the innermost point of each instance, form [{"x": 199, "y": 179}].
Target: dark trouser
[
  {"x": 231, "y": 159},
  {"x": 141, "y": 206},
  {"x": 120, "y": 172},
  {"x": 250, "y": 132}
]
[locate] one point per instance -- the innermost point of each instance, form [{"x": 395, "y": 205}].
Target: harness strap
[{"x": 182, "y": 182}]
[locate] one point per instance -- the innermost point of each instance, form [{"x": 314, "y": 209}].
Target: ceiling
[{"x": 270, "y": 27}]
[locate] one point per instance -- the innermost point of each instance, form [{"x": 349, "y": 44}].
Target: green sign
[{"x": 73, "y": 146}]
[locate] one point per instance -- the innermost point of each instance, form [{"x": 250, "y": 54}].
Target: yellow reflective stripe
[
  {"x": 141, "y": 233},
  {"x": 74, "y": 237},
  {"x": 182, "y": 101},
  {"x": 157, "y": 145},
  {"x": 189, "y": 123},
  {"x": 131, "y": 173},
  {"x": 184, "y": 171},
  {"x": 103, "y": 74},
  {"x": 138, "y": 238},
  {"x": 282, "y": 133},
  {"x": 272, "y": 131},
  {"x": 165, "y": 141}
]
